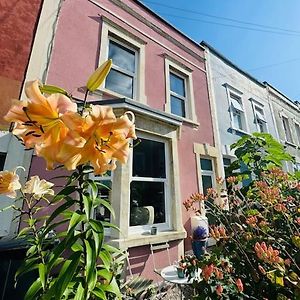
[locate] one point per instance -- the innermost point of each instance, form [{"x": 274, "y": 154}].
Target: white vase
[{"x": 199, "y": 221}]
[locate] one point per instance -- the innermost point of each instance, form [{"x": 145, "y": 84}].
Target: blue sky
[{"x": 268, "y": 56}]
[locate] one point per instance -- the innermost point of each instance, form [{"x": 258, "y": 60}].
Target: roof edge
[
  {"x": 152, "y": 12},
  {"x": 230, "y": 63}
]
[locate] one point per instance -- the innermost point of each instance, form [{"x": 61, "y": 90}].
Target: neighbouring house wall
[
  {"x": 227, "y": 78},
  {"x": 18, "y": 23},
  {"x": 285, "y": 108}
]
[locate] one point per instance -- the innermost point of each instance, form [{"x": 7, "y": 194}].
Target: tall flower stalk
[{"x": 67, "y": 249}]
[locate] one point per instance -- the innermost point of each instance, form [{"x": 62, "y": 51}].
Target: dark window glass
[
  {"x": 122, "y": 57},
  {"x": 177, "y": 85},
  {"x": 206, "y": 164},
  {"x": 149, "y": 159},
  {"x": 120, "y": 83},
  {"x": 177, "y": 106},
  {"x": 226, "y": 162},
  {"x": 144, "y": 197},
  {"x": 2, "y": 160},
  {"x": 207, "y": 183}
]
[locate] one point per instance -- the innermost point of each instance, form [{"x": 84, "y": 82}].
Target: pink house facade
[{"x": 160, "y": 75}]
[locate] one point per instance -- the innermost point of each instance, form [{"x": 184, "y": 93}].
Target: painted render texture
[
  {"x": 76, "y": 54},
  {"x": 18, "y": 22},
  {"x": 226, "y": 77}
]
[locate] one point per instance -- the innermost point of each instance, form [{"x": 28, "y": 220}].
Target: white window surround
[
  {"x": 236, "y": 109},
  {"x": 297, "y": 129},
  {"x": 166, "y": 226},
  {"x": 287, "y": 129},
  {"x": 259, "y": 116},
  {"x": 155, "y": 125},
  {"x": 177, "y": 69},
  {"x": 114, "y": 32}
]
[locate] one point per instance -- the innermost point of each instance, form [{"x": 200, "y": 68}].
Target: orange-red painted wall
[{"x": 18, "y": 19}]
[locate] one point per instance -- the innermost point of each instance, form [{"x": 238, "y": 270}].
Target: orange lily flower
[
  {"x": 38, "y": 120},
  {"x": 101, "y": 139}
]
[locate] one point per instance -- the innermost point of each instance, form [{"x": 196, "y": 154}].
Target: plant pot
[
  {"x": 180, "y": 272},
  {"x": 199, "y": 247}
]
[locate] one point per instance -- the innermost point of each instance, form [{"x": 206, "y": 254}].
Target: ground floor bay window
[{"x": 145, "y": 192}]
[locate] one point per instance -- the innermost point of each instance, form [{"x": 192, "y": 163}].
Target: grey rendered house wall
[
  {"x": 223, "y": 78},
  {"x": 283, "y": 107}
]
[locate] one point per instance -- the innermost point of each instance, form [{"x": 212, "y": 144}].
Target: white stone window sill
[
  {"x": 290, "y": 144},
  {"x": 142, "y": 239},
  {"x": 195, "y": 124},
  {"x": 236, "y": 130}
]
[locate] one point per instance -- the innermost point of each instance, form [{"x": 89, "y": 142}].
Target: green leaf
[
  {"x": 106, "y": 274},
  {"x": 75, "y": 220},
  {"x": 64, "y": 192},
  {"x": 112, "y": 287},
  {"x": 24, "y": 231},
  {"x": 91, "y": 277},
  {"x": 105, "y": 258},
  {"x": 99, "y": 293},
  {"x": 110, "y": 225},
  {"x": 96, "y": 226},
  {"x": 27, "y": 266},
  {"x": 42, "y": 273},
  {"x": 107, "y": 205},
  {"x": 79, "y": 293},
  {"x": 33, "y": 290},
  {"x": 98, "y": 239},
  {"x": 98, "y": 76},
  {"x": 65, "y": 276},
  {"x": 87, "y": 201},
  {"x": 59, "y": 210}
]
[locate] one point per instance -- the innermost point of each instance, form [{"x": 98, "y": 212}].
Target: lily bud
[{"x": 98, "y": 76}]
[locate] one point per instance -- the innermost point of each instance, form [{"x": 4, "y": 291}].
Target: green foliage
[
  {"x": 78, "y": 265},
  {"x": 257, "y": 153}
]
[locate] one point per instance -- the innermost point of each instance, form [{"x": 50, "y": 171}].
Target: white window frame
[
  {"x": 112, "y": 31},
  {"x": 133, "y": 75},
  {"x": 167, "y": 224},
  {"x": 236, "y": 106},
  {"x": 211, "y": 173},
  {"x": 297, "y": 130},
  {"x": 185, "y": 73},
  {"x": 287, "y": 129},
  {"x": 174, "y": 94},
  {"x": 259, "y": 117}
]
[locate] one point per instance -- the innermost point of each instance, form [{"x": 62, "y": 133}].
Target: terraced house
[
  {"x": 159, "y": 74},
  {"x": 190, "y": 104}
]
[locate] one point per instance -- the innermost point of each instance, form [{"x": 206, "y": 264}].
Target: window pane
[
  {"x": 226, "y": 161},
  {"x": 237, "y": 120},
  {"x": 2, "y": 160},
  {"x": 206, "y": 183},
  {"x": 122, "y": 57},
  {"x": 177, "y": 106},
  {"x": 287, "y": 129},
  {"x": 206, "y": 164},
  {"x": 147, "y": 200},
  {"x": 120, "y": 83},
  {"x": 297, "y": 127},
  {"x": 177, "y": 85},
  {"x": 149, "y": 159}
]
